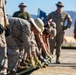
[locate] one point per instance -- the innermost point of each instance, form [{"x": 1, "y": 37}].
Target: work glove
[
  {"x": 38, "y": 61},
  {"x": 49, "y": 55},
  {"x": 33, "y": 62},
  {"x": 7, "y": 32},
  {"x": 1, "y": 29}
]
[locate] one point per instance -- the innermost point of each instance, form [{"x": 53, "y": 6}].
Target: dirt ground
[
  {"x": 55, "y": 71},
  {"x": 67, "y": 66}
]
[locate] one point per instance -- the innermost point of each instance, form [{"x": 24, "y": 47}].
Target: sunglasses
[
  {"x": 59, "y": 6},
  {"x": 22, "y": 6}
]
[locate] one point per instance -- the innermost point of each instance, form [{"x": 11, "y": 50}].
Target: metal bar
[
  {"x": 31, "y": 68},
  {"x": 25, "y": 71}
]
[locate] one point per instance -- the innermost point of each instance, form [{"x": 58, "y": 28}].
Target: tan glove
[
  {"x": 38, "y": 61},
  {"x": 49, "y": 55},
  {"x": 33, "y": 63}
]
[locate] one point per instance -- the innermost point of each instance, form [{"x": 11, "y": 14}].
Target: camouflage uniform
[
  {"x": 13, "y": 53},
  {"x": 33, "y": 44},
  {"x": 3, "y": 46},
  {"x": 19, "y": 40},
  {"x": 59, "y": 19}
]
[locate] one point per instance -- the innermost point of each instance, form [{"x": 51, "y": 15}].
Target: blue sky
[{"x": 33, "y": 5}]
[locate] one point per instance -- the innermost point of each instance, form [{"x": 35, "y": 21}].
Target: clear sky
[{"x": 33, "y": 5}]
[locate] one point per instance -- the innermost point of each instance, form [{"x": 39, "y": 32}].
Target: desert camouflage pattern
[
  {"x": 20, "y": 40},
  {"x": 3, "y": 45},
  {"x": 59, "y": 19}
]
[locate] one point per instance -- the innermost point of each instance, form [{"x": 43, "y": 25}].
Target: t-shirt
[{"x": 24, "y": 15}]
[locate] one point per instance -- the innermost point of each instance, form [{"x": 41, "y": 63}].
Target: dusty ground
[
  {"x": 67, "y": 66},
  {"x": 55, "y": 71}
]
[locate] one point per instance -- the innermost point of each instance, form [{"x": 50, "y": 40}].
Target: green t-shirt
[{"x": 23, "y": 15}]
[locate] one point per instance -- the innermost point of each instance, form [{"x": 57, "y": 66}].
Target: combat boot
[
  {"x": 12, "y": 73},
  {"x": 57, "y": 59}
]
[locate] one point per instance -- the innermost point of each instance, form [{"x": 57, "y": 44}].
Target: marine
[{"x": 59, "y": 17}]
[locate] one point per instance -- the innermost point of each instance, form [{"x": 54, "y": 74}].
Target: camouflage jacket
[
  {"x": 59, "y": 19},
  {"x": 21, "y": 32}
]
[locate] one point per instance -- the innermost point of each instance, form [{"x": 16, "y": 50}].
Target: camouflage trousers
[
  {"x": 3, "y": 61},
  {"x": 21, "y": 49},
  {"x": 57, "y": 41},
  {"x": 3, "y": 55},
  {"x": 13, "y": 54},
  {"x": 22, "y": 55}
]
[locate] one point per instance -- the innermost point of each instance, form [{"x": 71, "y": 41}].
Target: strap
[{"x": 4, "y": 18}]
